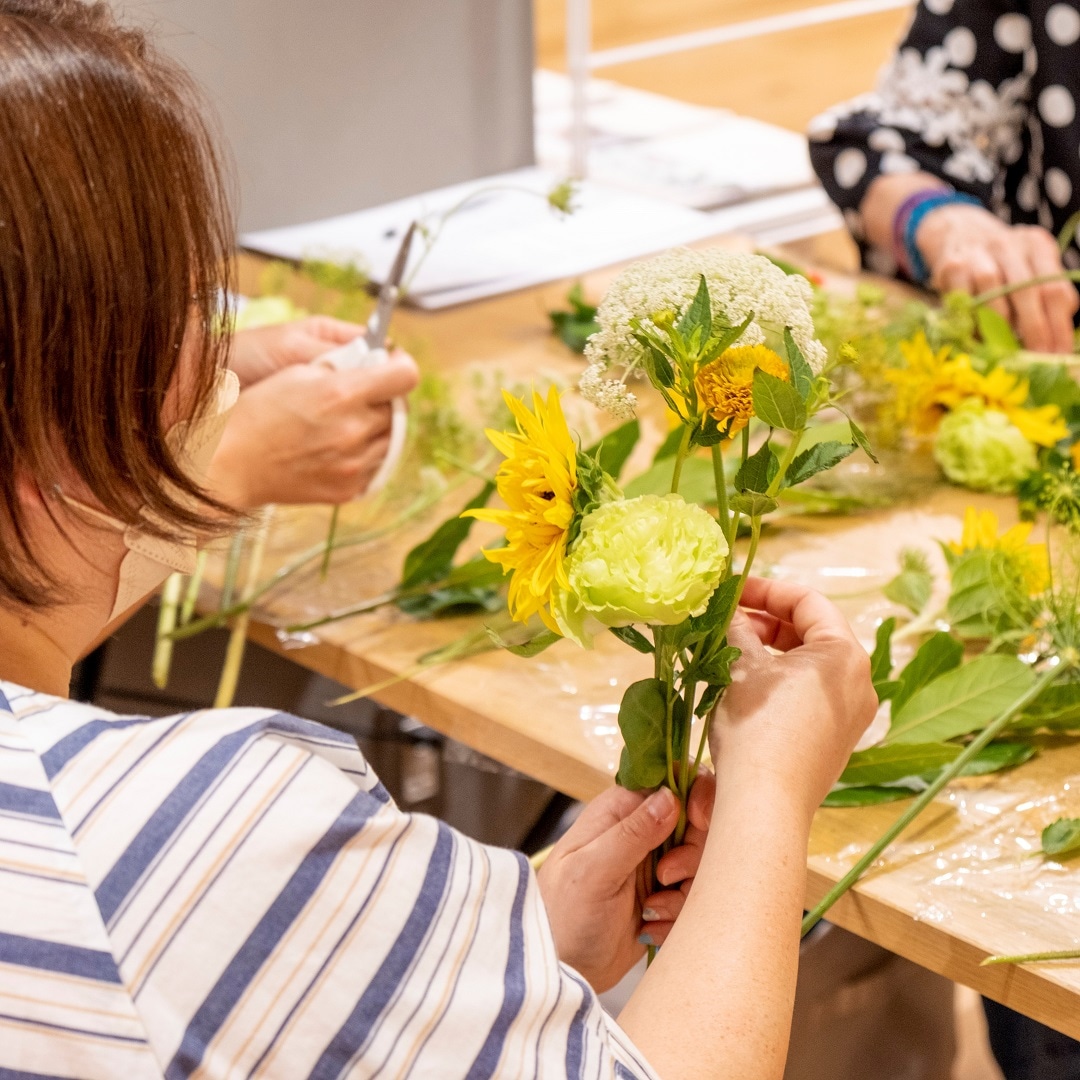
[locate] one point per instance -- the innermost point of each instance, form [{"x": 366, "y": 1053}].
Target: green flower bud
[
  {"x": 982, "y": 449},
  {"x": 654, "y": 560}
]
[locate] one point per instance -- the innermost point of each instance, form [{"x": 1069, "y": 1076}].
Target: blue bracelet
[{"x": 917, "y": 267}]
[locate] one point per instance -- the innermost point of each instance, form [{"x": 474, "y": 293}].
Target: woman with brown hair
[{"x": 232, "y": 893}]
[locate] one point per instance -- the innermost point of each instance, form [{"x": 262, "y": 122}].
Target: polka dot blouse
[{"x": 984, "y": 94}]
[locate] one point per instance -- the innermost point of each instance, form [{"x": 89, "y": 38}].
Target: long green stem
[
  {"x": 191, "y": 597},
  {"x": 1032, "y": 958},
  {"x": 991, "y": 295},
  {"x": 331, "y": 536},
  {"x": 785, "y": 463},
  {"x": 721, "y": 494},
  {"x": 680, "y": 457},
  {"x": 947, "y": 775},
  {"x": 163, "y": 645}
]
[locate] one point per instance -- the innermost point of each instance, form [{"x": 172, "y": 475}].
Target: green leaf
[
  {"x": 716, "y": 668},
  {"x": 698, "y": 315},
  {"x": 777, "y": 403},
  {"x": 940, "y": 653},
  {"x": 696, "y": 485},
  {"x": 670, "y": 446},
  {"x": 432, "y": 558},
  {"x": 912, "y": 587},
  {"x": 634, "y": 638},
  {"x": 658, "y": 368},
  {"x": 719, "y": 607},
  {"x": 710, "y": 432},
  {"x": 758, "y": 471},
  {"x": 820, "y": 457},
  {"x": 612, "y": 451},
  {"x": 881, "y": 658},
  {"x": 1051, "y": 384},
  {"x": 529, "y": 648},
  {"x": 961, "y": 701},
  {"x": 710, "y": 699},
  {"x": 643, "y": 722},
  {"x": 858, "y": 437},
  {"x": 1056, "y": 709},
  {"x": 802, "y": 376},
  {"x": 725, "y": 337},
  {"x": 752, "y": 504},
  {"x": 886, "y": 764},
  {"x": 576, "y": 326},
  {"x": 996, "y": 333},
  {"x": 886, "y": 689},
  {"x": 1061, "y": 837},
  {"x": 998, "y": 756},
  {"x": 868, "y": 796}
]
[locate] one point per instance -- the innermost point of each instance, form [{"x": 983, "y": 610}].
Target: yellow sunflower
[
  {"x": 537, "y": 483},
  {"x": 1030, "y": 561},
  {"x": 726, "y": 386},
  {"x": 930, "y": 384},
  {"x": 1042, "y": 425}
]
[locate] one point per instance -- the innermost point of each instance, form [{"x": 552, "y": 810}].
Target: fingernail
[
  {"x": 648, "y": 915},
  {"x": 663, "y": 876},
  {"x": 660, "y": 804},
  {"x": 646, "y": 939}
]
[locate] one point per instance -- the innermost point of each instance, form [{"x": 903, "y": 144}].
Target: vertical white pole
[{"x": 578, "y": 47}]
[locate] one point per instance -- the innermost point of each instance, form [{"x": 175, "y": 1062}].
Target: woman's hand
[
  {"x": 309, "y": 434},
  {"x": 594, "y": 882},
  {"x": 967, "y": 247},
  {"x": 789, "y": 722},
  {"x": 259, "y": 353}
]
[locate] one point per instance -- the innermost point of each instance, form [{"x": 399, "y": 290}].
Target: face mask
[{"x": 150, "y": 559}]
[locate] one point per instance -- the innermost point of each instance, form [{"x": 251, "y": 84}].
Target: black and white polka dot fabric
[{"x": 982, "y": 93}]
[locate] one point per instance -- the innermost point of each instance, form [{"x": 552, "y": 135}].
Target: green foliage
[
  {"x": 937, "y": 655},
  {"x": 887, "y": 764},
  {"x": 752, "y": 504},
  {"x": 1004, "y": 754},
  {"x": 777, "y": 403},
  {"x": 802, "y": 376},
  {"x": 881, "y": 658},
  {"x": 843, "y": 798},
  {"x": 1057, "y": 710},
  {"x": 695, "y": 484},
  {"x": 1054, "y": 488},
  {"x": 912, "y": 587},
  {"x": 643, "y": 722},
  {"x": 530, "y": 647},
  {"x": 574, "y": 327},
  {"x": 613, "y": 450},
  {"x": 759, "y": 470},
  {"x": 1052, "y": 384},
  {"x": 858, "y": 437},
  {"x": 431, "y": 559},
  {"x": 963, "y": 700},
  {"x": 1062, "y": 837},
  {"x": 988, "y": 599},
  {"x": 670, "y": 446},
  {"x": 996, "y": 333},
  {"x": 820, "y": 457},
  {"x": 634, "y": 638}
]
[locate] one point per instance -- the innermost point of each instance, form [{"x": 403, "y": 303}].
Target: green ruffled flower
[
  {"x": 654, "y": 560},
  {"x": 982, "y": 449}
]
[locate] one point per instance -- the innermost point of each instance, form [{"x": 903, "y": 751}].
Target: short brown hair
[{"x": 115, "y": 237}]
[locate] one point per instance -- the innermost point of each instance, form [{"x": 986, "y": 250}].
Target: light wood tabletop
[{"x": 966, "y": 881}]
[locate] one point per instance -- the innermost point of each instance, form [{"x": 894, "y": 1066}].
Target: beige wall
[{"x": 335, "y": 105}]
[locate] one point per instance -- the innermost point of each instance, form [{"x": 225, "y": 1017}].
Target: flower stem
[
  {"x": 991, "y": 295},
  {"x": 1032, "y": 958},
  {"x": 680, "y": 457},
  {"x": 785, "y": 463},
  {"x": 721, "y": 494},
  {"x": 947, "y": 774},
  {"x": 163, "y": 645},
  {"x": 328, "y": 550},
  {"x": 191, "y": 597}
]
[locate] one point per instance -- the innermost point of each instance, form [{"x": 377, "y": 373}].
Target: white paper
[{"x": 500, "y": 241}]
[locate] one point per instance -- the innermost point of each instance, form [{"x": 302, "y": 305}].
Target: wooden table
[{"x": 966, "y": 881}]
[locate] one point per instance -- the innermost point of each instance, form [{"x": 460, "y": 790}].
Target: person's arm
[
  {"x": 966, "y": 247},
  {"x": 919, "y": 133},
  {"x": 722, "y": 989}
]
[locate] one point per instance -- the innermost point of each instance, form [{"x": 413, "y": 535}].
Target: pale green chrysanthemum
[
  {"x": 654, "y": 559},
  {"x": 982, "y": 449}
]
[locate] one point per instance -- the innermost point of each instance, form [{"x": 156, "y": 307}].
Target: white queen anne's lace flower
[{"x": 739, "y": 283}]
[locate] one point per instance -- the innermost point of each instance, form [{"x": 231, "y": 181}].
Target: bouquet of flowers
[{"x": 727, "y": 341}]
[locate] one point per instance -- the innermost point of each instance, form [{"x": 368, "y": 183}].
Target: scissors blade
[{"x": 389, "y": 294}]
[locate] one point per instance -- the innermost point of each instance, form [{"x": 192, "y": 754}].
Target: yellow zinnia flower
[
  {"x": 1030, "y": 561},
  {"x": 930, "y": 384},
  {"x": 537, "y": 482},
  {"x": 1042, "y": 425},
  {"x": 726, "y": 386}
]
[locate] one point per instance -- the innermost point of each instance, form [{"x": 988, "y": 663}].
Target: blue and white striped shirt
[{"x": 233, "y": 894}]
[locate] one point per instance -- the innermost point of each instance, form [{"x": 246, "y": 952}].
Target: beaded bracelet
[{"x": 908, "y": 219}]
